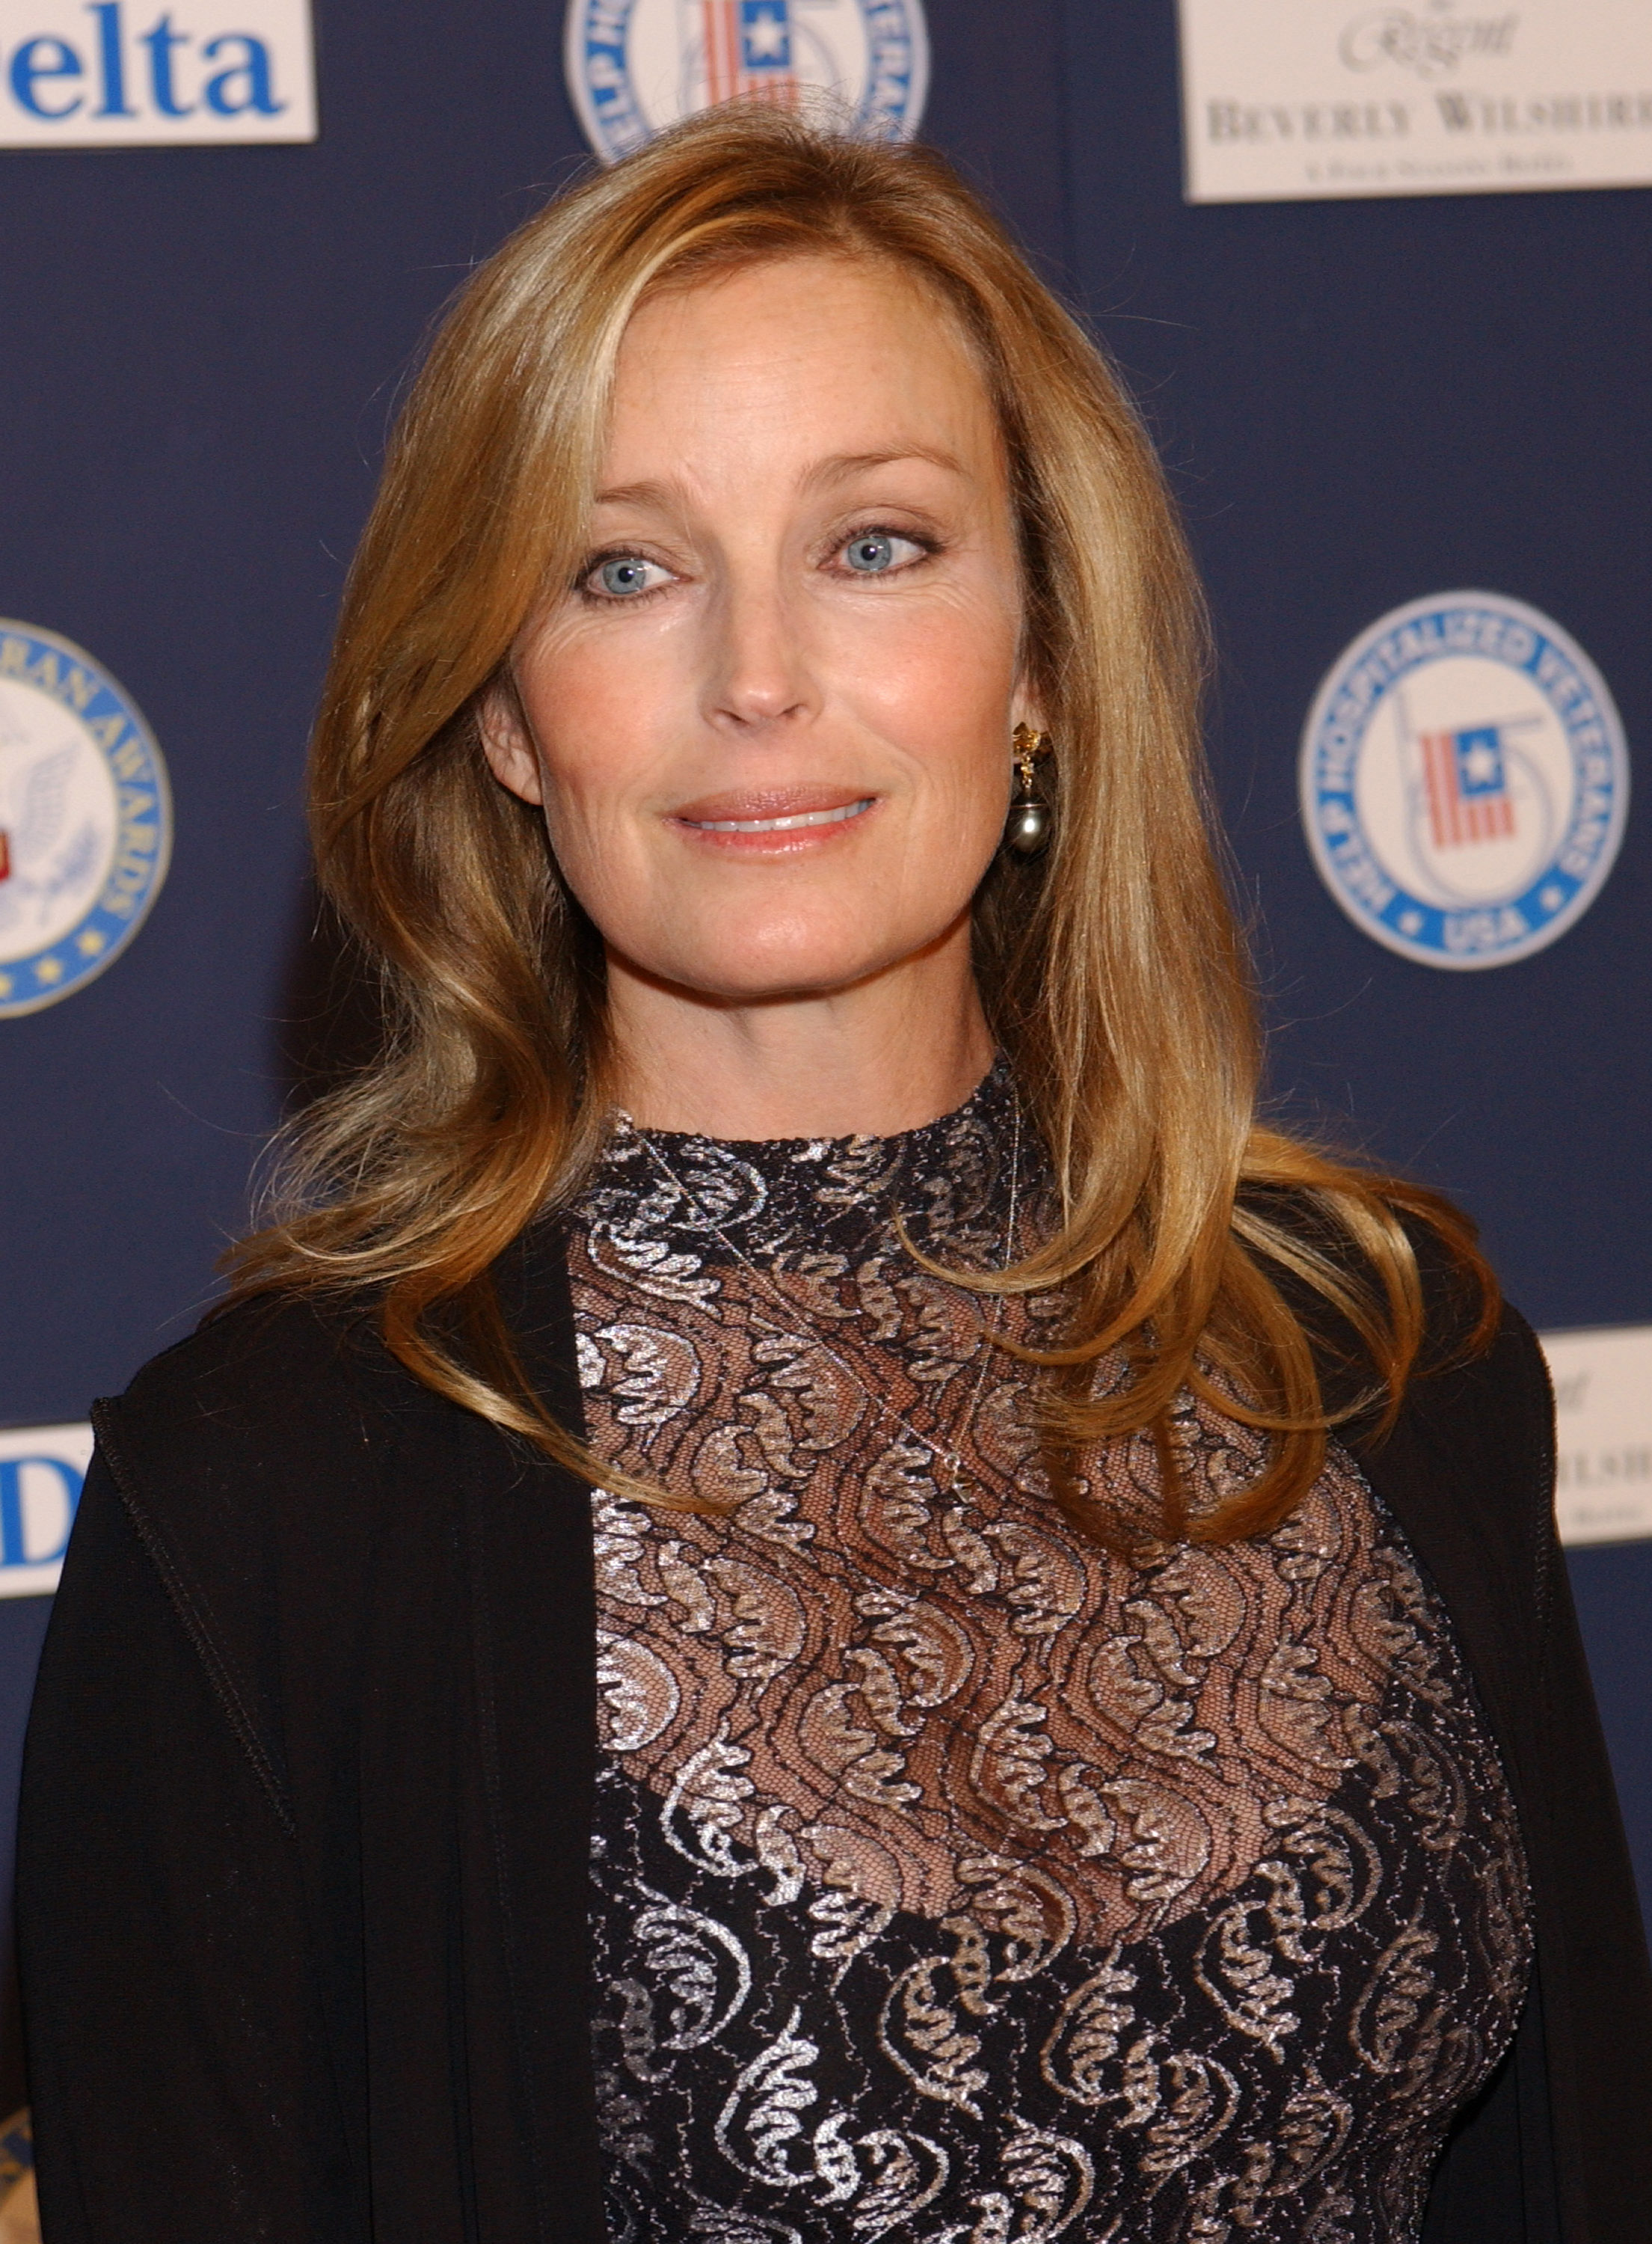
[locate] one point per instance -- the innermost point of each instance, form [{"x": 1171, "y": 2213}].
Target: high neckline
[{"x": 955, "y": 1185}]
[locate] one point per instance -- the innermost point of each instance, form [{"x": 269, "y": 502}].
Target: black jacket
[{"x": 303, "y": 1846}]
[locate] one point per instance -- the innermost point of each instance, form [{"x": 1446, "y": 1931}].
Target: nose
[{"x": 759, "y": 675}]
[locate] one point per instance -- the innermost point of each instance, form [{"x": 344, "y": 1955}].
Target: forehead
[{"x": 863, "y": 344}]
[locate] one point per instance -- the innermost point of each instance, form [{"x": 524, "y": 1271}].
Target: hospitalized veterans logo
[
  {"x": 85, "y": 819},
  {"x": 634, "y": 66},
  {"x": 1464, "y": 781}
]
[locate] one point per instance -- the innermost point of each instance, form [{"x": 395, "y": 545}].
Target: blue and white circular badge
[
  {"x": 1464, "y": 781},
  {"x": 85, "y": 819},
  {"x": 634, "y": 66}
]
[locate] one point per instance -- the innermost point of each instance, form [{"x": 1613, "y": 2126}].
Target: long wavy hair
[{"x": 1202, "y": 1250}]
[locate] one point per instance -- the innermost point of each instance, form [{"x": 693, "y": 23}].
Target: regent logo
[
  {"x": 1431, "y": 45},
  {"x": 112, "y": 73}
]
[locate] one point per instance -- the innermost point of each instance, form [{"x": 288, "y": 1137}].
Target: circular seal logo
[
  {"x": 85, "y": 819},
  {"x": 1464, "y": 781},
  {"x": 634, "y": 66}
]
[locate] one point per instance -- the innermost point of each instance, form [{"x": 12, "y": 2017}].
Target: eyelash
[
  {"x": 584, "y": 586},
  {"x": 929, "y": 547}
]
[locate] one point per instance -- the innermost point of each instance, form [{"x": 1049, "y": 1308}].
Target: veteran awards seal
[
  {"x": 85, "y": 819},
  {"x": 1464, "y": 781},
  {"x": 634, "y": 66}
]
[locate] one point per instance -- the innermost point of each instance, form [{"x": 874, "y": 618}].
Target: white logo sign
[
  {"x": 42, "y": 1469},
  {"x": 138, "y": 73},
  {"x": 1603, "y": 1419},
  {"x": 1464, "y": 781},
  {"x": 1288, "y": 99},
  {"x": 634, "y": 66},
  {"x": 85, "y": 819}
]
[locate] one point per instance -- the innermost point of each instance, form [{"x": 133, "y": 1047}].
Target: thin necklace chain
[{"x": 949, "y": 1459}]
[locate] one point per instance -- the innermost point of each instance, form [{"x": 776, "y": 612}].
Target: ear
[
  {"x": 1026, "y": 706},
  {"x": 507, "y": 744}
]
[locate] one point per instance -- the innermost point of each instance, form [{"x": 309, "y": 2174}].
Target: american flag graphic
[
  {"x": 1468, "y": 796},
  {"x": 748, "y": 51}
]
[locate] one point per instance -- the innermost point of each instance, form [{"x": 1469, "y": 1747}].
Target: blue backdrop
[{"x": 1360, "y": 403}]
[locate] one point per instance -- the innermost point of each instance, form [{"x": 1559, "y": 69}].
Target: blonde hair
[{"x": 1214, "y": 1253}]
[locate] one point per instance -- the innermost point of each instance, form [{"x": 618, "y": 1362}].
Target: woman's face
[{"x": 770, "y": 722}]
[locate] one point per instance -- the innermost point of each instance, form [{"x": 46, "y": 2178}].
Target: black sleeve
[
  {"x": 1560, "y": 2147},
  {"x": 180, "y": 2081},
  {"x": 1600, "y": 2035}
]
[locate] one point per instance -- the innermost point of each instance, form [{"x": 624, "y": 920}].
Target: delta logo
[{"x": 133, "y": 73}]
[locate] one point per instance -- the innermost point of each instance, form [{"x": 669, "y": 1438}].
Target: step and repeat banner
[{"x": 1394, "y": 357}]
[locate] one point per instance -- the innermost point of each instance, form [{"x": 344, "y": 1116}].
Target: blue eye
[
  {"x": 625, "y": 575},
  {"x": 873, "y": 552}
]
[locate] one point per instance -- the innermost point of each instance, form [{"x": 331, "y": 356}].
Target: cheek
[
  {"x": 940, "y": 689},
  {"x": 584, "y": 697},
  {"x": 595, "y": 719}
]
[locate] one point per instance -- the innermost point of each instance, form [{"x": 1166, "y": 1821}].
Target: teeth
[{"x": 781, "y": 825}]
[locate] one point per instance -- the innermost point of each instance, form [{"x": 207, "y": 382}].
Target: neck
[{"x": 887, "y": 1055}]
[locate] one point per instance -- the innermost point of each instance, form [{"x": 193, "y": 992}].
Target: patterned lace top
[{"x": 952, "y": 1880}]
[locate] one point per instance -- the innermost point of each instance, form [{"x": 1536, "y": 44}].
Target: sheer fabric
[{"x": 952, "y": 1878}]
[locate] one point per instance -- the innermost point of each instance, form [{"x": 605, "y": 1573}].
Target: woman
[{"x": 1092, "y": 1737}]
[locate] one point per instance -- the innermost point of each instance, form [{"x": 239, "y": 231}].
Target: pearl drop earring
[{"x": 1028, "y": 828}]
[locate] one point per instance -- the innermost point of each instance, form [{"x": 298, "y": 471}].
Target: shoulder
[
  {"x": 1474, "y": 1425},
  {"x": 256, "y": 1385},
  {"x": 1325, "y": 1249},
  {"x": 1474, "y": 1436},
  {"x": 272, "y": 1467},
  {"x": 274, "y": 1430},
  {"x": 1479, "y": 1388},
  {"x": 1467, "y": 1460}
]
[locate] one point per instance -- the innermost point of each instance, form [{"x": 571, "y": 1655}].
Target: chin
[
  {"x": 752, "y": 972},
  {"x": 739, "y": 985}
]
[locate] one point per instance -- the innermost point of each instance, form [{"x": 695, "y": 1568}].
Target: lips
[
  {"x": 777, "y": 811},
  {"x": 788, "y": 825}
]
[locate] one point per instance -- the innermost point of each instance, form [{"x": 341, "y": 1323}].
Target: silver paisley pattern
[{"x": 952, "y": 1880}]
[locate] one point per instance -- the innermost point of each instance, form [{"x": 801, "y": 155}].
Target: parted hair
[{"x": 1195, "y": 1247}]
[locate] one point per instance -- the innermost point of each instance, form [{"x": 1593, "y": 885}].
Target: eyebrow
[
  {"x": 845, "y": 465},
  {"x": 840, "y": 468}
]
